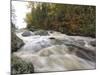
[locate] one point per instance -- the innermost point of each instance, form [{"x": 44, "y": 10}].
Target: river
[{"x": 55, "y": 51}]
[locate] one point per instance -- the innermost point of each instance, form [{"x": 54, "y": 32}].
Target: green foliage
[
  {"x": 18, "y": 66},
  {"x": 69, "y": 19}
]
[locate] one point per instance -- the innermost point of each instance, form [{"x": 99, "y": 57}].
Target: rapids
[{"x": 57, "y": 51}]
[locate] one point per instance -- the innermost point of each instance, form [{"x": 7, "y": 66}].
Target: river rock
[
  {"x": 81, "y": 42},
  {"x": 87, "y": 55},
  {"x": 52, "y": 38},
  {"x": 26, "y": 33},
  {"x": 19, "y": 66},
  {"x": 16, "y": 42},
  {"x": 93, "y": 43},
  {"x": 41, "y": 32}
]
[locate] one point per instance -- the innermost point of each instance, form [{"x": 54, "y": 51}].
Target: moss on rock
[{"x": 19, "y": 66}]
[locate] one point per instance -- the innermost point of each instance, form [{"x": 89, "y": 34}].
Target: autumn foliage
[{"x": 66, "y": 18}]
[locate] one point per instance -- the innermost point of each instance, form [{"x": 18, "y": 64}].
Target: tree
[{"x": 69, "y": 19}]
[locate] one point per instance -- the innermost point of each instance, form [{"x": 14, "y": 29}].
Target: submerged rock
[
  {"x": 87, "y": 55},
  {"x": 81, "y": 42},
  {"x": 83, "y": 53},
  {"x": 53, "y": 50}
]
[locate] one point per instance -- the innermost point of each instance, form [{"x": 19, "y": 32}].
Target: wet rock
[
  {"x": 51, "y": 38},
  {"x": 41, "y": 32},
  {"x": 26, "y": 33},
  {"x": 93, "y": 43},
  {"x": 81, "y": 42},
  {"x": 51, "y": 31},
  {"x": 16, "y": 42},
  {"x": 86, "y": 54}
]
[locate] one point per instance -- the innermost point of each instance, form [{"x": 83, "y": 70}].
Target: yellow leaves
[
  {"x": 74, "y": 24},
  {"x": 28, "y": 18}
]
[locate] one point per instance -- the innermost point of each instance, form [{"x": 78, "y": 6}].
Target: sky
[{"x": 20, "y": 12}]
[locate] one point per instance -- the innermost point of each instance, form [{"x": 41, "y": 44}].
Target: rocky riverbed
[{"x": 54, "y": 51}]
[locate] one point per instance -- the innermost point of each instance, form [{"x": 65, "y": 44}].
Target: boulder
[
  {"x": 26, "y": 33},
  {"x": 93, "y": 43},
  {"x": 41, "y": 32},
  {"x": 19, "y": 66},
  {"x": 16, "y": 42}
]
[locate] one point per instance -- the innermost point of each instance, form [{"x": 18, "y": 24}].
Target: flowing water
[{"x": 57, "y": 52}]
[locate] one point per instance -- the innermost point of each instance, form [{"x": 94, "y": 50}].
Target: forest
[{"x": 65, "y": 18}]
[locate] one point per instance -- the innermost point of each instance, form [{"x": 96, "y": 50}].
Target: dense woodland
[{"x": 66, "y": 18}]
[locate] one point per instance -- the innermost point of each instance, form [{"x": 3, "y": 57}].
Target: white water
[{"x": 51, "y": 55}]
